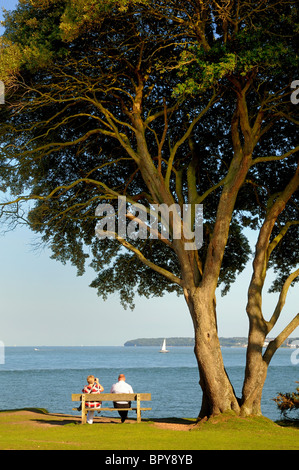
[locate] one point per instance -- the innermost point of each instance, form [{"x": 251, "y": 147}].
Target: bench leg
[
  {"x": 83, "y": 411},
  {"x": 138, "y": 409}
]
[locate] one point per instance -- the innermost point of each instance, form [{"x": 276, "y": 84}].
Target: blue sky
[{"x": 43, "y": 302}]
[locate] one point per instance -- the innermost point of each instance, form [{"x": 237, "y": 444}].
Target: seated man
[{"x": 122, "y": 387}]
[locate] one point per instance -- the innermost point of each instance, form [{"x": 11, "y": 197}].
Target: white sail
[{"x": 163, "y": 349}]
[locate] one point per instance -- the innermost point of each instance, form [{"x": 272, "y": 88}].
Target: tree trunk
[
  {"x": 257, "y": 363},
  {"x": 218, "y": 393},
  {"x": 255, "y": 374}
]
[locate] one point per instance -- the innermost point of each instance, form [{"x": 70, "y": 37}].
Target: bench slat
[
  {"x": 114, "y": 409},
  {"x": 111, "y": 396}
]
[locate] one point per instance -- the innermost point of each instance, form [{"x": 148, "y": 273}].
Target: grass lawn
[{"x": 36, "y": 429}]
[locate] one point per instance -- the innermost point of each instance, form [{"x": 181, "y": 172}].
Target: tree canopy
[{"x": 163, "y": 102}]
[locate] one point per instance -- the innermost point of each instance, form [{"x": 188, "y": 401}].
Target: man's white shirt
[{"x": 121, "y": 387}]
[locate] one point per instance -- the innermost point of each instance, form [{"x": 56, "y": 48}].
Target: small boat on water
[{"x": 163, "y": 348}]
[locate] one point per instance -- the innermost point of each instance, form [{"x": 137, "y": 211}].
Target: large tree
[{"x": 161, "y": 102}]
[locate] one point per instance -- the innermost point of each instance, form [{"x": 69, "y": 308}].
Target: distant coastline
[{"x": 234, "y": 342}]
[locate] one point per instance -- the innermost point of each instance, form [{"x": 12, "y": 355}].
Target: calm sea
[{"x": 46, "y": 377}]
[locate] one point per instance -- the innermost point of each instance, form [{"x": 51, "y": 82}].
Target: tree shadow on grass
[
  {"x": 288, "y": 423},
  {"x": 173, "y": 420},
  {"x": 63, "y": 420},
  {"x": 42, "y": 411},
  {"x": 56, "y": 422},
  {"x": 56, "y": 419},
  {"x": 59, "y": 419}
]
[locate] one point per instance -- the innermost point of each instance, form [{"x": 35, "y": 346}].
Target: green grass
[{"x": 36, "y": 429}]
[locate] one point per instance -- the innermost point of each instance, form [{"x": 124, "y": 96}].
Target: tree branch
[
  {"x": 277, "y": 342},
  {"x": 185, "y": 137},
  {"x": 281, "y": 234},
  {"x": 254, "y": 305},
  {"x": 274, "y": 157},
  {"x": 171, "y": 277},
  {"x": 281, "y": 300}
]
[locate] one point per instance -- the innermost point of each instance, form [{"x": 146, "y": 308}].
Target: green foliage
[
  {"x": 204, "y": 73},
  {"x": 265, "y": 48},
  {"x": 287, "y": 402},
  {"x": 31, "y": 38},
  {"x": 67, "y": 134},
  {"x": 10, "y": 61},
  {"x": 81, "y": 15}
]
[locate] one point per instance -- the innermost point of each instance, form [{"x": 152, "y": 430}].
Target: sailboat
[{"x": 163, "y": 349}]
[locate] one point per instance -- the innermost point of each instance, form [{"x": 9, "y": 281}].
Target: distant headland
[
  {"x": 233, "y": 342},
  {"x": 179, "y": 341}
]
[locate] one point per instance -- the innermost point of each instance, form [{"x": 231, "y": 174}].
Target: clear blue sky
[{"x": 43, "y": 302}]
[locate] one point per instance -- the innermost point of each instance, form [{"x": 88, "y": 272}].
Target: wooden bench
[{"x": 84, "y": 397}]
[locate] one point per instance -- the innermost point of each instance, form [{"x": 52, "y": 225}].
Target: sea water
[{"x": 46, "y": 377}]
